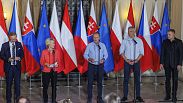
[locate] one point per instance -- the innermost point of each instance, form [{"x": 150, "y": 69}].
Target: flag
[
  {"x": 3, "y": 36},
  {"x": 68, "y": 42},
  {"x": 80, "y": 41},
  {"x": 116, "y": 40},
  {"x": 155, "y": 39},
  {"x": 55, "y": 33},
  {"x": 92, "y": 23},
  {"x": 165, "y": 24},
  {"x": 31, "y": 54},
  {"x": 14, "y": 24},
  {"x": 105, "y": 38},
  {"x": 144, "y": 34},
  {"x": 43, "y": 32},
  {"x": 130, "y": 20},
  {"x": 15, "y": 27}
]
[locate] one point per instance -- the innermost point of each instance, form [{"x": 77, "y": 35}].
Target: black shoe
[
  {"x": 167, "y": 98},
  {"x": 54, "y": 101},
  {"x": 174, "y": 99},
  {"x": 123, "y": 99},
  {"x": 99, "y": 100},
  {"x": 89, "y": 101},
  {"x": 139, "y": 99}
]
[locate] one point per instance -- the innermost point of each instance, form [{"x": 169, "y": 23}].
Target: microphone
[
  {"x": 135, "y": 41},
  {"x": 53, "y": 52},
  {"x": 99, "y": 46}
]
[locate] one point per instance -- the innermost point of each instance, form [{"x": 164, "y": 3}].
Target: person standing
[
  {"x": 132, "y": 50},
  {"x": 96, "y": 54},
  {"x": 12, "y": 54},
  {"x": 50, "y": 61},
  {"x": 171, "y": 62}
]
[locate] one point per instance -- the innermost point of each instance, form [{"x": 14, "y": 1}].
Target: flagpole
[
  {"x": 117, "y": 79},
  {"x": 41, "y": 80},
  {"x": 68, "y": 81},
  {"x": 79, "y": 81},
  {"x": 68, "y": 89},
  {"x": 155, "y": 80},
  {"x": 1, "y": 85},
  {"x": 30, "y": 83},
  {"x": 79, "y": 93},
  {"x": 117, "y": 84},
  {"x": 30, "y": 93}
]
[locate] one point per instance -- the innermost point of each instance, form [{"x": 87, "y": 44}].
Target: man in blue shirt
[
  {"x": 96, "y": 54},
  {"x": 132, "y": 50}
]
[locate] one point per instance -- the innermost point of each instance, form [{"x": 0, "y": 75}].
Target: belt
[
  {"x": 131, "y": 60},
  {"x": 95, "y": 64}
]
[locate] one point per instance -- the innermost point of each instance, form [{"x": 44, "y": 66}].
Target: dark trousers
[
  {"x": 171, "y": 73},
  {"x": 127, "y": 71},
  {"x": 93, "y": 70},
  {"x": 13, "y": 74},
  {"x": 46, "y": 80}
]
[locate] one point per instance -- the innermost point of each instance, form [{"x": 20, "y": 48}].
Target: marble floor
[{"x": 150, "y": 91}]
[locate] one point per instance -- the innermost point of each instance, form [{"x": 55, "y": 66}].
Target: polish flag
[
  {"x": 55, "y": 33},
  {"x": 130, "y": 20},
  {"x": 3, "y": 36},
  {"x": 92, "y": 23},
  {"x": 68, "y": 42},
  {"x": 116, "y": 40}
]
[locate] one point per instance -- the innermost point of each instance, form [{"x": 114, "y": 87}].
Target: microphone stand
[
  {"x": 54, "y": 74},
  {"x": 98, "y": 64},
  {"x": 135, "y": 42}
]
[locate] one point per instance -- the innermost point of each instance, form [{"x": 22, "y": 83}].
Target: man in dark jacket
[
  {"x": 171, "y": 62},
  {"x": 12, "y": 54}
]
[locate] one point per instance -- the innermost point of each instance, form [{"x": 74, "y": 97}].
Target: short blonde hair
[{"x": 48, "y": 40}]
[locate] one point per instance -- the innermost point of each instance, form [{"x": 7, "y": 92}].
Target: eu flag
[
  {"x": 105, "y": 38},
  {"x": 165, "y": 25},
  {"x": 43, "y": 32}
]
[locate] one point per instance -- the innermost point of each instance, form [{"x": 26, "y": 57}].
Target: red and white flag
[
  {"x": 116, "y": 40},
  {"x": 55, "y": 34},
  {"x": 143, "y": 33},
  {"x": 80, "y": 41},
  {"x": 130, "y": 20},
  {"x": 68, "y": 42},
  {"x": 3, "y": 36},
  {"x": 92, "y": 23}
]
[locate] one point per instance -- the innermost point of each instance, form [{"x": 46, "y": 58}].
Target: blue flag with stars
[
  {"x": 43, "y": 32},
  {"x": 165, "y": 25},
  {"x": 105, "y": 38}
]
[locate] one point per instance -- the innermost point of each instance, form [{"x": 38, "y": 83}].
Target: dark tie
[{"x": 13, "y": 53}]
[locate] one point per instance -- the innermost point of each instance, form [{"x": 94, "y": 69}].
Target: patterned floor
[{"x": 150, "y": 92}]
